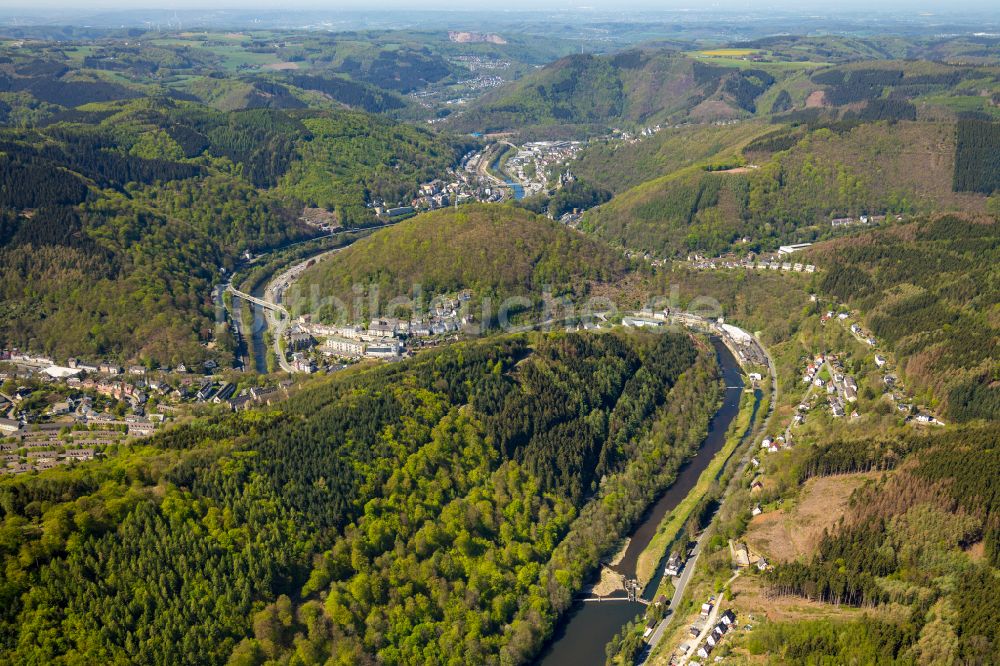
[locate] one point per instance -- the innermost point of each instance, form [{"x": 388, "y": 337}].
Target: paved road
[
  {"x": 689, "y": 567},
  {"x": 805, "y": 399},
  {"x": 273, "y": 292},
  {"x": 276, "y": 313},
  {"x": 680, "y": 586},
  {"x": 710, "y": 623},
  {"x": 483, "y": 169}
]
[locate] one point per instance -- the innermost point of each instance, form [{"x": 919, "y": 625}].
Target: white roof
[
  {"x": 737, "y": 333},
  {"x": 61, "y": 372}
]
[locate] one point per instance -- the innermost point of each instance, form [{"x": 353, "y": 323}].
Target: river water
[
  {"x": 515, "y": 187},
  {"x": 257, "y": 330},
  {"x": 581, "y": 637}
]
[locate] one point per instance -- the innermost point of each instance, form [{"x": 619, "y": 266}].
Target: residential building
[
  {"x": 674, "y": 565},
  {"x": 382, "y": 328},
  {"x": 299, "y": 340},
  {"x": 338, "y": 346},
  {"x": 384, "y": 350}
]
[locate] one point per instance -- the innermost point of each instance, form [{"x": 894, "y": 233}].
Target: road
[
  {"x": 680, "y": 586},
  {"x": 805, "y": 399},
  {"x": 271, "y": 304},
  {"x": 710, "y": 622},
  {"x": 483, "y": 169},
  {"x": 690, "y": 565},
  {"x": 276, "y": 314},
  {"x": 273, "y": 293}
]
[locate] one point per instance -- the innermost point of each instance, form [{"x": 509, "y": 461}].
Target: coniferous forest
[{"x": 416, "y": 513}]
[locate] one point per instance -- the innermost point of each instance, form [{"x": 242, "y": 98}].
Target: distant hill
[
  {"x": 887, "y": 90},
  {"x": 587, "y": 94},
  {"x": 496, "y": 251},
  {"x": 636, "y": 86},
  {"x": 800, "y": 179},
  {"x": 116, "y": 219},
  {"x": 619, "y": 166},
  {"x": 963, "y": 48}
]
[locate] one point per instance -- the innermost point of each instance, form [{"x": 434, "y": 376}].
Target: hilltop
[
  {"x": 496, "y": 251},
  {"x": 638, "y": 86}
]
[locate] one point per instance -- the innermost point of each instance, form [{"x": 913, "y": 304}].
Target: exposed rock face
[{"x": 475, "y": 37}]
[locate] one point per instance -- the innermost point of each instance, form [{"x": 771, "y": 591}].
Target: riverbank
[
  {"x": 580, "y": 639},
  {"x": 674, "y": 523}
]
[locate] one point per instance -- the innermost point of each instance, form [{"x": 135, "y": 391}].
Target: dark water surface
[
  {"x": 258, "y": 327},
  {"x": 581, "y": 637}
]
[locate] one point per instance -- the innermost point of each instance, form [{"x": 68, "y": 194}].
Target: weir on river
[{"x": 580, "y": 638}]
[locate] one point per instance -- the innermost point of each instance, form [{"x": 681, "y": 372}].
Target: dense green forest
[
  {"x": 352, "y": 159},
  {"x": 442, "y": 510},
  {"x": 928, "y": 289},
  {"x": 977, "y": 165},
  {"x": 592, "y": 93},
  {"x": 496, "y": 251},
  {"x": 117, "y": 221},
  {"x": 577, "y": 195}
]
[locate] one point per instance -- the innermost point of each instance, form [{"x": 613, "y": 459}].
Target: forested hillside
[
  {"x": 496, "y": 251},
  {"x": 591, "y": 93},
  {"x": 620, "y": 166},
  {"x": 117, "y": 219},
  {"x": 977, "y": 161},
  {"x": 923, "y": 539},
  {"x": 800, "y": 180},
  {"x": 929, "y": 290},
  {"x": 444, "y": 507}
]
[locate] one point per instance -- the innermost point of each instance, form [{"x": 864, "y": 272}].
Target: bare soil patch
[
  {"x": 816, "y": 99},
  {"x": 793, "y": 533},
  {"x": 741, "y": 169},
  {"x": 609, "y": 583}
]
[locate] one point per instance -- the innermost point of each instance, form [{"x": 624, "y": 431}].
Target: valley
[{"x": 531, "y": 337}]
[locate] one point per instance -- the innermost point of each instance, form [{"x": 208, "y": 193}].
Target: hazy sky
[{"x": 903, "y": 7}]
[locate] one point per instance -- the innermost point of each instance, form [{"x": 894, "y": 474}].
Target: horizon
[{"x": 925, "y": 8}]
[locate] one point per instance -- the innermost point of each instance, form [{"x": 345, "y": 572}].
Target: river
[
  {"x": 258, "y": 325},
  {"x": 515, "y": 187},
  {"x": 581, "y": 637},
  {"x": 257, "y": 330}
]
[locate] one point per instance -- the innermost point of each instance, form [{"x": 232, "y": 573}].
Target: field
[
  {"x": 963, "y": 103},
  {"x": 738, "y": 58},
  {"x": 730, "y": 52}
]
